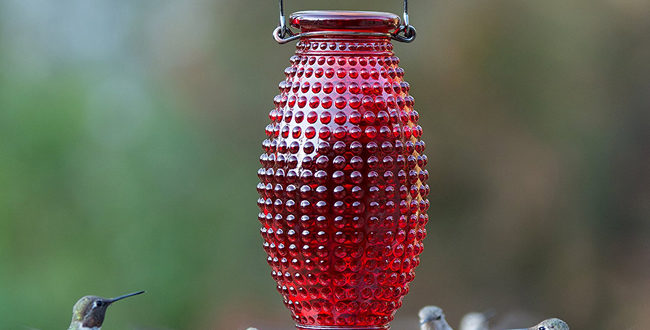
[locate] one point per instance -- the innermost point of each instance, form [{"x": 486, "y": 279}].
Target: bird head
[
  {"x": 551, "y": 324},
  {"x": 89, "y": 311},
  {"x": 432, "y": 317}
]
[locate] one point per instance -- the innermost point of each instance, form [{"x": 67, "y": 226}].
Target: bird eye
[
  {"x": 541, "y": 328},
  {"x": 439, "y": 317},
  {"x": 98, "y": 303}
]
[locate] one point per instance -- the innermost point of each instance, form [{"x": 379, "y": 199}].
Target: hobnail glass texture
[{"x": 343, "y": 185}]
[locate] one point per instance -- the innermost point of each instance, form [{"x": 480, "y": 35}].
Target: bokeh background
[{"x": 130, "y": 133}]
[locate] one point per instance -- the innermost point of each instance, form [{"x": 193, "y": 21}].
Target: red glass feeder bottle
[{"x": 343, "y": 192}]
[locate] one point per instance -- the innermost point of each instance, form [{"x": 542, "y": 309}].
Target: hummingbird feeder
[{"x": 343, "y": 192}]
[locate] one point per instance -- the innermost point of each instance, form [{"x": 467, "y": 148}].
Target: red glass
[{"x": 343, "y": 193}]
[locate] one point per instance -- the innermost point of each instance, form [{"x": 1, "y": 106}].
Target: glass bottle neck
[{"x": 345, "y": 45}]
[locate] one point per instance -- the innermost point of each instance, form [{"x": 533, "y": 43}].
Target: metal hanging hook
[
  {"x": 406, "y": 27},
  {"x": 406, "y": 31},
  {"x": 283, "y": 34}
]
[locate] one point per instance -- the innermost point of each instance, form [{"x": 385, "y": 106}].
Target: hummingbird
[
  {"x": 89, "y": 311},
  {"x": 549, "y": 324},
  {"x": 432, "y": 318}
]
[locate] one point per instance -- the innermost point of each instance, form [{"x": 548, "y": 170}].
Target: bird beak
[{"x": 112, "y": 300}]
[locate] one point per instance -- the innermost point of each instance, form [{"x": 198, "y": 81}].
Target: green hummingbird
[
  {"x": 549, "y": 324},
  {"x": 89, "y": 311}
]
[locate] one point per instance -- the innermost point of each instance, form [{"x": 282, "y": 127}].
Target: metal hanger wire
[{"x": 283, "y": 34}]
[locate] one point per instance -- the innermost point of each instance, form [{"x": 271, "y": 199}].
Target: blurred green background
[{"x": 130, "y": 133}]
